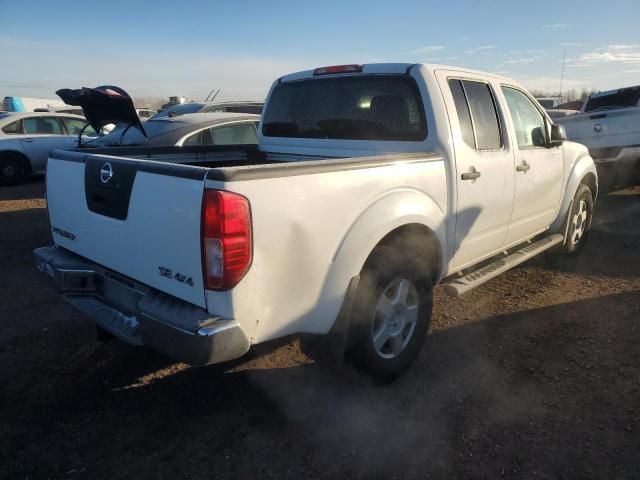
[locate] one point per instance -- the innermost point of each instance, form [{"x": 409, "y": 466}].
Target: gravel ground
[{"x": 534, "y": 375}]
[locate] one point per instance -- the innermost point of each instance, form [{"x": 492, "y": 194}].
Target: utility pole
[{"x": 564, "y": 60}]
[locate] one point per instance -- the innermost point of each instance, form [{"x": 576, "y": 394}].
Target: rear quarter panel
[{"x": 312, "y": 234}]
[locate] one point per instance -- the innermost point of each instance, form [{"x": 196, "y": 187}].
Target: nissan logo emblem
[{"x": 106, "y": 172}]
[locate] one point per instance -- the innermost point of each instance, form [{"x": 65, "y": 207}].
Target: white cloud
[
  {"x": 482, "y": 48},
  {"x": 427, "y": 49},
  {"x": 571, "y": 44},
  {"x": 556, "y": 26},
  {"x": 523, "y": 60},
  {"x": 623, "y": 54},
  {"x": 549, "y": 83},
  {"x": 580, "y": 65},
  {"x": 623, "y": 47}
]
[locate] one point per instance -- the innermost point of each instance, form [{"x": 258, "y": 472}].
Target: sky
[{"x": 160, "y": 48}]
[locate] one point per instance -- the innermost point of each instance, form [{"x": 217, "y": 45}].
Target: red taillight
[
  {"x": 226, "y": 239},
  {"x": 338, "y": 69}
]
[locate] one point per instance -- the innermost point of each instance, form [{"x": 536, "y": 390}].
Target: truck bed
[
  {"x": 137, "y": 210},
  {"x": 230, "y": 162}
]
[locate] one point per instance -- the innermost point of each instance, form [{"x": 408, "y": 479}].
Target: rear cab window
[{"x": 362, "y": 107}]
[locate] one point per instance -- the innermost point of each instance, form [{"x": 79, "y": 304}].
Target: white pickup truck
[
  {"x": 609, "y": 125},
  {"x": 370, "y": 185}
]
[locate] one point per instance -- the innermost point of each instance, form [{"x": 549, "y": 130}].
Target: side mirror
[{"x": 557, "y": 136}]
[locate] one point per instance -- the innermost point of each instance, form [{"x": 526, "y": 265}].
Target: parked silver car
[
  {"x": 27, "y": 138},
  {"x": 186, "y": 130}
]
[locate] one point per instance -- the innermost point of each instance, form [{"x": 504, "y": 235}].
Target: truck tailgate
[
  {"x": 609, "y": 128},
  {"x": 138, "y": 218}
]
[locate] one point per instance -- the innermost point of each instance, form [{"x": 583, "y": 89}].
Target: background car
[
  {"x": 145, "y": 113},
  {"x": 203, "y": 107},
  {"x": 66, "y": 109},
  {"x": 186, "y": 130},
  {"x": 27, "y": 138}
]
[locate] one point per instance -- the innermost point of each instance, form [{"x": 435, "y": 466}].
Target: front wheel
[
  {"x": 579, "y": 220},
  {"x": 391, "y": 313}
]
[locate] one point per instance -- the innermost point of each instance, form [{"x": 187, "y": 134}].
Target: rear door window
[
  {"x": 74, "y": 126},
  {"x": 13, "y": 127},
  {"x": 238, "y": 134},
  {"x": 362, "y": 107},
  {"x": 203, "y": 137},
  {"x": 42, "y": 126},
  {"x": 464, "y": 116},
  {"x": 483, "y": 115},
  {"x": 477, "y": 114}
]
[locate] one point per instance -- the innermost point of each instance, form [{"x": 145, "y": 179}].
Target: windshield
[{"x": 364, "y": 107}]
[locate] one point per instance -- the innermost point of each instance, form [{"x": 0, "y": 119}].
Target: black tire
[
  {"x": 386, "y": 265},
  {"x": 14, "y": 168},
  {"x": 578, "y": 222}
]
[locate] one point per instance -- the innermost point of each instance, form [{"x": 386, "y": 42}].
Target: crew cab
[
  {"x": 609, "y": 125},
  {"x": 370, "y": 185}
]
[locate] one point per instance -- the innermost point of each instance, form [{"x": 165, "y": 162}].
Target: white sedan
[{"x": 27, "y": 138}]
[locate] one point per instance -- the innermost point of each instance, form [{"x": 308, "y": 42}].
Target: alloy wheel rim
[
  {"x": 395, "y": 318},
  {"x": 579, "y": 222},
  {"x": 8, "y": 171}
]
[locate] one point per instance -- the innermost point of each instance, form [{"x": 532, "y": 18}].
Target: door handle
[
  {"x": 523, "y": 167},
  {"x": 472, "y": 174},
  {"x": 27, "y": 140}
]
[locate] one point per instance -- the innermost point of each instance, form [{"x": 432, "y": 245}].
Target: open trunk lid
[
  {"x": 139, "y": 218},
  {"x": 103, "y": 105}
]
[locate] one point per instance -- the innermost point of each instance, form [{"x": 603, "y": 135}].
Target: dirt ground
[{"x": 534, "y": 375}]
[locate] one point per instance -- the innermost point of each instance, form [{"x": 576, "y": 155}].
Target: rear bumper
[{"x": 141, "y": 315}]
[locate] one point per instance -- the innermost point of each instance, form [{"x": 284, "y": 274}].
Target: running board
[{"x": 463, "y": 284}]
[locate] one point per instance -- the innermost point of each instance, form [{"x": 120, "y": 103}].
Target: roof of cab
[{"x": 391, "y": 68}]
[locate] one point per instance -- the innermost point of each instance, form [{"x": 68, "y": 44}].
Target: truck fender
[
  {"x": 388, "y": 212},
  {"x": 583, "y": 170}
]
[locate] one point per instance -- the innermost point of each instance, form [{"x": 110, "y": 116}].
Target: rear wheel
[
  {"x": 13, "y": 168},
  {"x": 579, "y": 220},
  {"x": 391, "y": 312}
]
